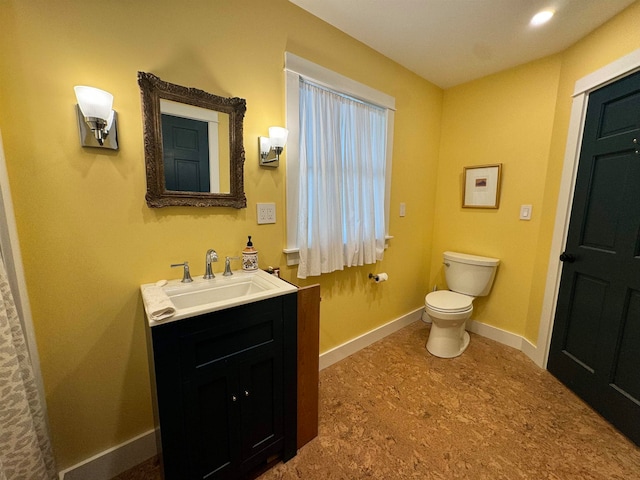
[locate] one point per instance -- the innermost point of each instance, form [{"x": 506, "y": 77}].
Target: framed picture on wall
[{"x": 481, "y": 186}]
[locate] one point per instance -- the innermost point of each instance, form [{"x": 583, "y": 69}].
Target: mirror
[{"x": 193, "y": 146}]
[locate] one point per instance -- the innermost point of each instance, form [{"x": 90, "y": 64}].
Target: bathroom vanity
[{"x": 226, "y": 389}]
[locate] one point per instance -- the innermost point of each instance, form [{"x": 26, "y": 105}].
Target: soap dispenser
[{"x": 249, "y": 257}]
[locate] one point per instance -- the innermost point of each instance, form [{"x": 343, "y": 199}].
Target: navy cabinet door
[
  {"x": 262, "y": 404},
  {"x": 211, "y": 418}
]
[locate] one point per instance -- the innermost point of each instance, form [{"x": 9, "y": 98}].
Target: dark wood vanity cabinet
[{"x": 226, "y": 389}]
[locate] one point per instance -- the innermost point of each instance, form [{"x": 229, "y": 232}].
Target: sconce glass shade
[
  {"x": 271, "y": 147},
  {"x": 265, "y": 146},
  {"x": 97, "y": 121},
  {"x": 93, "y": 102},
  {"x": 278, "y": 137}
]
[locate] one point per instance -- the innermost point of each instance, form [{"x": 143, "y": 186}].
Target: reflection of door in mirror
[
  {"x": 195, "y": 148},
  {"x": 186, "y": 154}
]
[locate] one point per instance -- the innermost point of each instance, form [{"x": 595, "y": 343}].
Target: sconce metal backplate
[
  {"x": 87, "y": 137},
  {"x": 272, "y": 161}
]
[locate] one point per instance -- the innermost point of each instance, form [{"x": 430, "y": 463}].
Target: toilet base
[{"x": 444, "y": 345}]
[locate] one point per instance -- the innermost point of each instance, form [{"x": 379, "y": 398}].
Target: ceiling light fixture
[{"x": 542, "y": 17}]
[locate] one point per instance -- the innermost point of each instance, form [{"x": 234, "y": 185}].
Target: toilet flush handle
[{"x": 446, "y": 264}]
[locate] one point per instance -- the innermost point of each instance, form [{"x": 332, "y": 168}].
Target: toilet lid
[{"x": 448, "y": 301}]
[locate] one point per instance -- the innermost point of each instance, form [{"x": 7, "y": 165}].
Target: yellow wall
[
  {"x": 504, "y": 118},
  {"x": 616, "y": 38},
  {"x": 520, "y": 118},
  {"x": 88, "y": 239}
]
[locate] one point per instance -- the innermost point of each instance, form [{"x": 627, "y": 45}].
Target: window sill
[{"x": 293, "y": 254}]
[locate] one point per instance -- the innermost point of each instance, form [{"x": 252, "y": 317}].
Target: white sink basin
[{"x": 204, "y": 296}]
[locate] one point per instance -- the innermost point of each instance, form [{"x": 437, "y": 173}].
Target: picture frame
[{"x": 481, "y": 186}]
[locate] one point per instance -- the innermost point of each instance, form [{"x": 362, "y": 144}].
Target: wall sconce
[
  {"x": 271, "y": 147},
  {"x": 97, "y": 121}
]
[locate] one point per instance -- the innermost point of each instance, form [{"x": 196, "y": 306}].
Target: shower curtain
[{"x": 25, "y": 449}]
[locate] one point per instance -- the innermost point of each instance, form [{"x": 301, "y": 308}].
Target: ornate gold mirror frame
[{"x": 152, "y": 90}]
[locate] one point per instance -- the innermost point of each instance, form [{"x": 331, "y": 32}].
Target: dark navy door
[
  {"x": 595, "y": 346},
  {"x": 185, "y": 144}
]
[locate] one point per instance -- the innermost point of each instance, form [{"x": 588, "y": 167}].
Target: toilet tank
[{"x": 469, "y": 274}]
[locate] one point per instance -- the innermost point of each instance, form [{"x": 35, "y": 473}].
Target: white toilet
[{"x": 468, "y": 276}]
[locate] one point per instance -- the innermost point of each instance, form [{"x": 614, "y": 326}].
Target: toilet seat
[{"x": 446, "y": 301}]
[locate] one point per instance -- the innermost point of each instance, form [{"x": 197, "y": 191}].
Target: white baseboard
[
  {"x": 115, "y": 460},
  {"x": 352, "y": 346},
  {"x": 495, "y": 333},
  {"x": 533, "y": 352},
  {"x": 501, "y": 336},
  {"x": 506, "y": 338}
]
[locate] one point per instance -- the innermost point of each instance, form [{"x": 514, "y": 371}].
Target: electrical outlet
[{"x": 266, "y": 213}]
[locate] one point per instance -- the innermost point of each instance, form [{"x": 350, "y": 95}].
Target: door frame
[{"x": 583, "y": 87}]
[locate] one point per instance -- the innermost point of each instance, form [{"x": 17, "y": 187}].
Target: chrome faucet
[
  {"x": 186, "y": 276},
  {"x": 211, "y": 256}
]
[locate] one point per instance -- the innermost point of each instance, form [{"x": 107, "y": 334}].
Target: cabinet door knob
[
  {"x": 234, "y": 398},
  {"x": 246, "y": 393}
]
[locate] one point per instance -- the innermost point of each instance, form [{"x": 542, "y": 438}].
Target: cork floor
[{"x": 392, "y": 411}]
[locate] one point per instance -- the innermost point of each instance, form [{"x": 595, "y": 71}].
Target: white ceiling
[{"x": 449, "y": 42}]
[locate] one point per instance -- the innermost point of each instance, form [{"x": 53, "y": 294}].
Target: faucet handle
[
  {"x": 186, "y": 276},
  {"x": 227, "y": 266}
]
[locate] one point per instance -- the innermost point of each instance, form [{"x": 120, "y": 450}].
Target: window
[{"x": 338, "y": 169}]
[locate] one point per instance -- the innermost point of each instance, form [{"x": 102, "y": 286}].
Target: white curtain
[
  {"x": 25, "y": 448},
  {"x": 342, "y": 181}
]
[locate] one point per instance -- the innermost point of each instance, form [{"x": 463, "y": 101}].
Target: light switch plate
[
  {"x": 525, "y": 212},
  {"x": 266, "y": 213}
]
